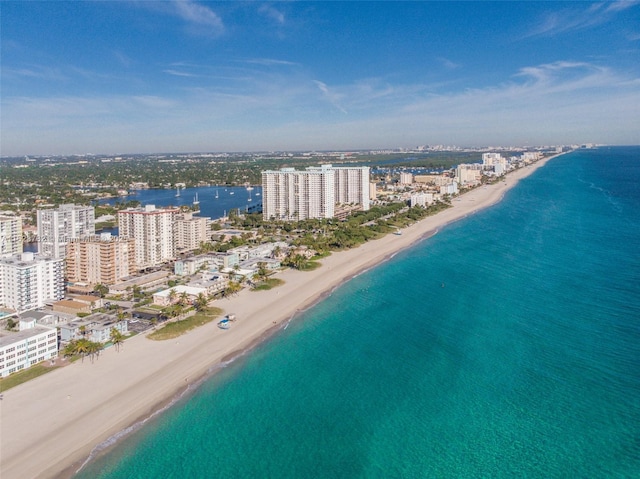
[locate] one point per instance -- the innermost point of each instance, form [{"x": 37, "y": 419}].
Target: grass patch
[
  {"x": 268, "y": 284},
  {"x": 23, "y": 376},
  {"x": 310, "y": 266},
  {"x": 178, "y": 328}
]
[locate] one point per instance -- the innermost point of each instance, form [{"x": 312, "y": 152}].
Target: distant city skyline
[{"x": 185, "y": 76}]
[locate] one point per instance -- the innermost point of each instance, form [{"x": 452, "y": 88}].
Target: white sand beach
[{"x": 50, "y": 425}]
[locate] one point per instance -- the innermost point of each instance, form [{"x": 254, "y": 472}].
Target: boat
[
  {"x": 249, "y": 188},
  {"x": 224, "y": 324},
  {"x": 397, "y": 232},
  {"x": 177, "y": 191},
  {"x": 233, "y": 192},
  {"x": 216, "y": 194},
  {"x": 196, "y": 201}
]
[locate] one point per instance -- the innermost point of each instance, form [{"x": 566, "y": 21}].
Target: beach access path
[{"x": 49, "y": 426}]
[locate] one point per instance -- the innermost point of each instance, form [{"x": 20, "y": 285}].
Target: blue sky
[{"x": 186, "y": 76}]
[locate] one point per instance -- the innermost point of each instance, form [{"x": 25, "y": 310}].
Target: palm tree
[
  {"x": 201, "y": 302},
  {"x": 117, "y": 338},
  {"x": 184, "y": 299},
  {"x": 172, "y": 295},
  {"x": 82, "y": 347},
  {"x": 93, "y": 349}
]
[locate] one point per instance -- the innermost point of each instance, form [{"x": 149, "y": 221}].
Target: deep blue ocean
[{"x": 508, "y": 345}]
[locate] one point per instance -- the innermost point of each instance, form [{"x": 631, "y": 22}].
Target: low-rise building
[
  {"x": 96, "y": 328},
  {"x": 31, "y": 345},
  {"x": 190, "y": 266},
  {"x": 173, "y": 295}
]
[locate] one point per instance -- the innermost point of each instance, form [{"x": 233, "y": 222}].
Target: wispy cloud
[
  {"x": 199, "y": 15},
  {"x": 564, "y": 101},
  {"x": 35, "y": 71},
  {"x": 450, "y": 65},
  {"x": 578, "y": 18},
  {"x": 178, "y": 73},
  {"x": 333, "y": 97},
  {"x": 620, "y": 5},
  {"x": 270, "y": 62},
  {"x": 272, "y": 13}
]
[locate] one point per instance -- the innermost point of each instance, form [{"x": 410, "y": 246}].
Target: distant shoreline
[{"x": 51, "y": 425}]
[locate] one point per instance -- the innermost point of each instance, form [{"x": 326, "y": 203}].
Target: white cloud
[
  {"x": 333, "y": 97},
  {"x": 272, "y": 13},
  {"x": 178, "y": 73},
  {"x": 559, "y": 102},
  {"x": 578, "y": 18},
  {"x": 200, "y": 15}
]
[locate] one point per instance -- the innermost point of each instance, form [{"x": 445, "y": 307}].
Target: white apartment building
[
  {"x": 406, "y": 178},
  {"x": 32, "y": 344},
  {"x": 191, "y": 231},
  {"x": 288, "y": 194},
  {"x": 28, "y": 281},
  {"x": 450, "y": 189},
  {"x": 103, "y": 259},
  {"x": 153, "y": 231},
  {"x": 350, "y": 184},
  {"x": 421, "y": 199},
  {"x": 58, "y": 226},
  {"x": 10, "y": 235},
  {"x": 495, "y": 162}
]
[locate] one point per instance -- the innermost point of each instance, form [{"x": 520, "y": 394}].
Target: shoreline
[{"x": 52, "y": 426}]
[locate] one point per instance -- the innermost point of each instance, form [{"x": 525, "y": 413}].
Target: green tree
[
  {"x": 201, "y": 302},
  {"x": 117, "y": 338},
  {"x": 101, "y": 289}
]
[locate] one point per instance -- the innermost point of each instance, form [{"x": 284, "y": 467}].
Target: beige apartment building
[
  {"x": 191, "y": 231},
  {"x": 103, "y": 259},
  {"x": 10, "y": 235},
  {"x": 154, "y": 233}
]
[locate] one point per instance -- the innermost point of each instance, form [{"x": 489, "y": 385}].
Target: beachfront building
[
  {"x": 191, "y": 231},
  {"x": 494, "y": 162},
  {"x": 29, "y": 281},
  {"x": 350, "y": 184},
  {"x": 450, "y": 189},
  {"x": 10, "y": 235},
  {"x": 33, "y": 344},
  {"x": 153, "y": 231},
  {"x": 421, "y": 199},
  {"x": 289, "y": 195},
  {"x": 59, "y": 226},
  {"x": 103, "y": 259},
  {"x": 469, "y": 174},
  {"x": 96, "y": 327},
  {"x": 173, "y": 295}
]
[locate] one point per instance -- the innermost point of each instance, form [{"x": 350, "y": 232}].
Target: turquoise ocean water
[{"x": 508, "y": 345}]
